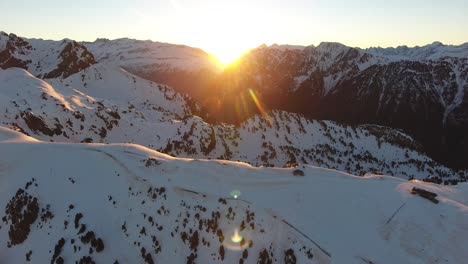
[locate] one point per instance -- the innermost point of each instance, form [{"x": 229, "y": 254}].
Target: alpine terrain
[{"x": 129, "y": 151}]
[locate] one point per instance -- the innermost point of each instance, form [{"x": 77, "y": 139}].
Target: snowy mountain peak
[
  {"x": 436, "y": 44},
  {"x": 331, "y": 46},
  {"x": 101, "y": 40},
  {"x": 44, "y": 58},
  {"x": 106, "y": 81},
  {"x": 287, "y": 47},
  {"x": 434, "y": 51},
  {"x": 139, "y": 55}
]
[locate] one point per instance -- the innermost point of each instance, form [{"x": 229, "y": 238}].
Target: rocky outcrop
[
  {"x": 73, "y": 58},
  {"x": 44, "y": 58},
  {"x": 14, "y": 45}
]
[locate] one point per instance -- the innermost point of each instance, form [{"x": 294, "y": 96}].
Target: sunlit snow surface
[{"x": 143, "y": 204}]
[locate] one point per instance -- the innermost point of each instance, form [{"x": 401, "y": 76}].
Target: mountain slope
[
  {"x": 57, "y": 111},
  {"x": 425, "y": 98},
  {"x": 184, "y": 68},
  {"x": 126, "y": 203},
  {"x": 422, "y": 98},
  {"x": 107, "y": 104}
]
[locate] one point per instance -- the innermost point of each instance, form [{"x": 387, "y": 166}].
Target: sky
[{"x": 228, "y": 28}]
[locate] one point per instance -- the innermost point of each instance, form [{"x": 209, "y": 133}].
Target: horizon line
[{"x": 258, "y": 46}]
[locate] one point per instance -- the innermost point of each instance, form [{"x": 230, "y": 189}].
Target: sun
[
  {"x": 227, "y": 54},
  {"x": 226, "y": 58},
  {"x": 224, "y": 29}
]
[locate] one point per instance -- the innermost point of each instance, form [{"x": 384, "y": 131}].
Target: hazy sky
[{"x": 218, "y": 26}]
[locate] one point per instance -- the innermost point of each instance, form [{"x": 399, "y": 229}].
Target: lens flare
[
  {"x": 259, "y": 105},
  {"x": 235, "y": 194},
  {"x": 238, "y": 241},
  {"x": 236, "y": 238}
]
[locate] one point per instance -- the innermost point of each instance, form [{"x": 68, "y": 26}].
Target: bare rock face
[
  {"x": 14, "y": 45},
  {"x": 73, "y": 58}
]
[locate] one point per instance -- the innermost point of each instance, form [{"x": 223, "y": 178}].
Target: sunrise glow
[
  {"x": 227, "y": 56},
  {"x": 234, "y": 131},
  {"x": 225, "y": 30}
]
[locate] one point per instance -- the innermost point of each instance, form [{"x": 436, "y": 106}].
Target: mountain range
[
  {"x": 422, "y": 94},
  {"x": 426, "y": 98},
  {"x": 291, "y": 154},
  {"x": 106, "y": 104}
]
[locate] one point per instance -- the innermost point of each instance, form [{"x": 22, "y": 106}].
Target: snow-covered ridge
[
  {"x": 125, "y": 203},
  {"x": 274, "y": 65},
  {"x": 147, "y": 56},
  {"x": 8, "y": 135},
  {"x": 284, "y": 46},
  {"x": 434, "y": 51},
  {"x": 108, "y": 82}
]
